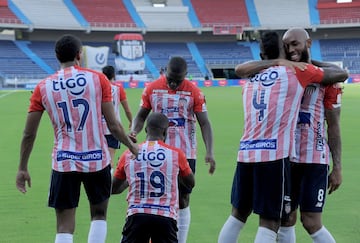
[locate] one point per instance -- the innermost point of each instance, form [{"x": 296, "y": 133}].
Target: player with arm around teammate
[
  {"x": 75, "y": 99},
  {"x": 261, "y": 182},
  {"x": 119, "y": 97},
  {"x": 184, "y": 104},
  {"x": 152, "y": 177},
  {"x": 310, "y": 177}
]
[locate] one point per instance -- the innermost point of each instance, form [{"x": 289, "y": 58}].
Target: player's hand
[
  {"x": 132, "y": 136},
  {"x": 134, "y": 148},
  {"x": 209, "y": 159},
  {"x": 21, "y": 178},
  {"x": 335, "y": 179},
  {"x": 293, "y": 65}
]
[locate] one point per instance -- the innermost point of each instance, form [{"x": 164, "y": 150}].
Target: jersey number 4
[{"x": 259, "y": 104}]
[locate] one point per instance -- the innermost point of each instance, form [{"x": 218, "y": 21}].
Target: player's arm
[
  {"x": 207, "y": 136},
  {"x": 138, "y": 122},
  {"x": 27, "y": 143},
  {"x": 128, "y": 112},
  {"x": 187, "y": 181},
  {"x": 334, "y": 142},
  {"x": 250, "y": 68},
  {"x": 116, "y": 128},
  {"x": 332, "y": 73},
  {"x": 118, "y": 185}
]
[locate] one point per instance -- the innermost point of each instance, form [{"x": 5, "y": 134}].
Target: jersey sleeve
[
  {"x": 145, "y": 99},
  {"x": 312, "y": 74},
  {"x": 332, "y": 97},
  {"x": 199, "y": 100},
  {"x": 184, "y": 168},
  {"x": 120, "y": 168},
  {"x": 36, "y": 101},
  {"x": 122, "y": 93},
  {"x": 106, "y": 88}
]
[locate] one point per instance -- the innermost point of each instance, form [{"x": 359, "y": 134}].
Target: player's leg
[
  {"x": 138, "y": 228},
  {"x": 241, "y": 200},
  {"x": 184, "y": 217},
  {"x": 64, "y": 198},
  {"x": 163, "y": 230},
  {"x": 313, "y": 200},
  {"x": 113, "y": 145},
  {"x": 271, "y": 197},
  {"x": 98, "y": 187},
  {"x": 286, "y": 233}
]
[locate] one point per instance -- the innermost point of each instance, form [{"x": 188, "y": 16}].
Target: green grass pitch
[{"x": 26, "y": 218}]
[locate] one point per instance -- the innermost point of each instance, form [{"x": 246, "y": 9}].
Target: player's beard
[{"x": 305, "y": 55}]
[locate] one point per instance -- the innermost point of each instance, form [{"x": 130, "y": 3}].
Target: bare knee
[
  {"x": 241, "y": 215},
  {"x": 311, "y": 221},
  {"x": 290, "y": 221},
  {"x": 98, "y": 211}
]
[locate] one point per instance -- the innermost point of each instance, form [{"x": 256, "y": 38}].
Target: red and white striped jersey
[
  {"x": 310, "y": 140},
  {"x": 72, "y": 97},
  {"x": 118, "y": 95},
  {"x": 180, "y": 107},
  {"x": 153, "y": 178},
  {"x": 271, "y": 101}
]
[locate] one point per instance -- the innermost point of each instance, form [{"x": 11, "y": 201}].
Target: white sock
[
  {"x": 183, "y": 224},
  {"x": 322, "y": 236},
  {"x": 97, "y": 232},
  {"x": 286, "y": 234},
  {"x": 64, "y": 238},
  {"x": 265, "y": 235},
  {"x": 231, "y": 230}
]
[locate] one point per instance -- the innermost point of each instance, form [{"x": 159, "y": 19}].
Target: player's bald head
[
  {"x": 299, "y": 34},
  {"x": 156, "y": 123}
]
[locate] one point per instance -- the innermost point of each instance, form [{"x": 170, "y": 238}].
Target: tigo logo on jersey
[
  {"x": 266, "y": 78},
  {"x": 76, "y": 86},
  {"x": 156, "y": 158}
]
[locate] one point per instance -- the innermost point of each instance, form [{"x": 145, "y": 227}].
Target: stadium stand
[
  {"x": 224, "y": 53},
  {"x": 160, "y": 53},
  {"x": 213, "y": 12},
  {"x": 174, "y": 16},
  {"x": 342, "y": 50},
  {"x": 289, "y": 13},
  {"x": 60, "y": 18},
  {"x": 105, "y": 13},
  {"x": 14, "y": 63},
  {"x": 31, "y": 55},
  {"x": 338, "y": 13},
  {"x": 6, "y": 15}
]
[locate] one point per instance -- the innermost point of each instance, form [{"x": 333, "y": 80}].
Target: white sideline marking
[{"x": 8, "y": 93}]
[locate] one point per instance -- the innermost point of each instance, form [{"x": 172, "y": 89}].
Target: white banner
[{"x": 95, "y": 57}]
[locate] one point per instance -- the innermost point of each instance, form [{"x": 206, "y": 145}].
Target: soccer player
[
  {"x": 271, "y": 101},
  {"x": 119, "y": 96},
  {"x": 75, "y": 99},
  {"x": 309, "y": 168},
  {"x": 183, "y": 103},
  {"x": 152, "y": 176}
]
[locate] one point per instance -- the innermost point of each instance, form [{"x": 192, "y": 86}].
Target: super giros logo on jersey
[
  {"x": 266, "y": 79},
  {"x": 155, "y": 158},
  {"x": 74, "y": 85}
]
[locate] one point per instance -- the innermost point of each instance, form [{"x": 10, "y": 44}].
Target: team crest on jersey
[{"x": 76, "y": 86}]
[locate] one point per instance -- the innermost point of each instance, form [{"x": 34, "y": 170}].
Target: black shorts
[
  {"x": 112, "y": 142},
  {"x": 183, "y": 189},
  {"x": 139, "y": 228},
  {"x": 263, "y": 188},
  {"x": 308, "y": 186},
  {"x": 65, "y": 187}
]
